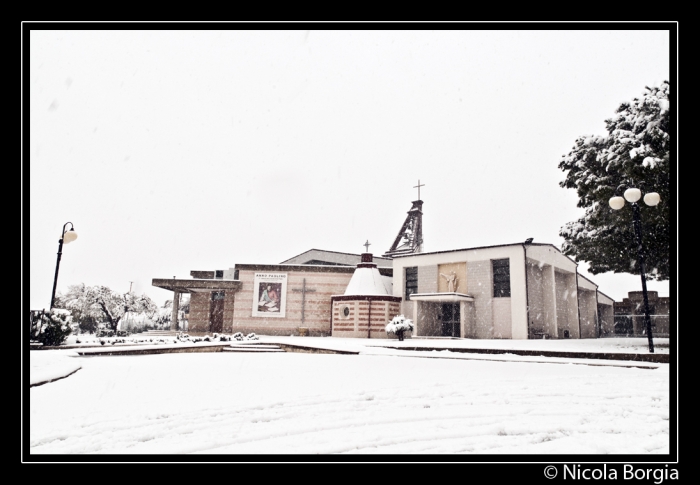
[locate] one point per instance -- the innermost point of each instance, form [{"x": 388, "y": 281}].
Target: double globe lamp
[{"x": 632, "y": 195}]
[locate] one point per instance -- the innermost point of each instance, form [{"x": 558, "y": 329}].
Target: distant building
[{"x": 629, "y": 316}]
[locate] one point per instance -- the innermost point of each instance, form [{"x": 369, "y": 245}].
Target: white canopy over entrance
[{"x": 446, "y": 297}]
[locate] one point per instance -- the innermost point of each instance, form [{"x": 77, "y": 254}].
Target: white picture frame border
[{"x": 263, "y": 278}]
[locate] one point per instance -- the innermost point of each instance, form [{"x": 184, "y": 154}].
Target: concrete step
[
  {"x": 157, "y": 333},
  {"x": 252, "y": 348},
  {"x": 258, "y": 345}
]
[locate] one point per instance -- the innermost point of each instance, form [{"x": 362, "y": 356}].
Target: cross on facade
[
  {"x": 303, "y": 290},
  {"x": 367, "y": 244},
  {"x": 418, "y": 187}
]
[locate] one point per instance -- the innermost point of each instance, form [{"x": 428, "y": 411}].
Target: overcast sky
[{"x": 173, "y": 151}]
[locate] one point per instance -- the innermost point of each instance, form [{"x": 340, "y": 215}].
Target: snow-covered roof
[
  {"x": 366, "y": 281},
  {"x": 322, "y": 256}
]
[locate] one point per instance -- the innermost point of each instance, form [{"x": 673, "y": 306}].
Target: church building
[{"x": 511, "y": 291}]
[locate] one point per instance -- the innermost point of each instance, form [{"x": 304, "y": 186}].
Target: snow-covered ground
[{"x": 382, "y": 401}]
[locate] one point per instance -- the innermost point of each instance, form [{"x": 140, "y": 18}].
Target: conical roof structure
[{"x": 366, "y": 280}]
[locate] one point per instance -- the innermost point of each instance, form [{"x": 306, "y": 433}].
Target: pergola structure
[{"x": 196, "y": 285}]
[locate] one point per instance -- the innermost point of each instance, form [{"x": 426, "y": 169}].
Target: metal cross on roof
[
  {"x": 419, "y": 186},
  {"x": 367, "y": 245}
]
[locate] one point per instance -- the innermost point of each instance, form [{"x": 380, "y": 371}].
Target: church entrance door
[
  {"x": 450, "y": 319},
  {"x": 216, "y": 312}
]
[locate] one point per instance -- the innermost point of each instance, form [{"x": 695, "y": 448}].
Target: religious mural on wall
[{"x": 269, "y": 294}]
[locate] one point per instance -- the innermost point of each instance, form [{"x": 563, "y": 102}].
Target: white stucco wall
[
  {"x": 551, "y": 256},
  {"x": 567, "y": 304},
  {"x": 427, "y": 279},
  {"x": 536, "y": 282},
  {"x": 587, "y": 313},
  {"x": 551, "y": 289}
]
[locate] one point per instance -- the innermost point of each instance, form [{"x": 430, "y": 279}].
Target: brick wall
[
  {"x": 317, "y": 313},
  {"x": 199, "y": 313},
  {"x": 229, "y": 306},
  {"x": 360, "y": 311}
]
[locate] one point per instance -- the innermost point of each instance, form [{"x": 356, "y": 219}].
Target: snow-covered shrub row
[
  {"x": 103, "y": 331},
  {"x": 113, "y": 342},
  {"x": 49, "y": 334},
  {"x": 240, "y": 337},
  {"x": 183, "y": 337}
]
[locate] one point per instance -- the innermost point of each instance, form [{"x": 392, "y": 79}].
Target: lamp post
[
  {"x": 632, "y": 195},
  {"x": 66, "y": 236}
]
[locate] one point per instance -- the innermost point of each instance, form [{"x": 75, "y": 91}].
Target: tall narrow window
[
  {"x": 411, "y": 281},
  {"x": 501, "y": 277}
]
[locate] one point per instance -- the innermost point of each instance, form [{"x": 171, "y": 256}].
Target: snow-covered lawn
[{"x": 378, "y": 402}]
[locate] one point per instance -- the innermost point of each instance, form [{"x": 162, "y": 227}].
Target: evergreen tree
[{"x": 634, "y": 153}]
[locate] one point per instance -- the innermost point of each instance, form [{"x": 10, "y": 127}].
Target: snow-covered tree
[
  {"x": 634, "y": 153},
  {"x": 164, "y": 314},
  {"x": 104, "y": 305},
  {"x": 86, "y": 316}
]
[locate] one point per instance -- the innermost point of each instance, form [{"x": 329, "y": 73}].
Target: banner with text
[{"x": 269, "y": 294}]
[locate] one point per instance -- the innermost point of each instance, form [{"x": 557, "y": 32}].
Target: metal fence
[
  {"x": 34, "y": 322},
  {"x": 635, "y": 325}
]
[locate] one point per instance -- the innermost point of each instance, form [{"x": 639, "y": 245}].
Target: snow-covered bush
[
  {"x": 398, "y": 325},
  {"x": 251, "y": 336},
  {"x": 104, "y": 331},
  {"x": 238, "y": 336},
  {"x": 54, "y": 327}
]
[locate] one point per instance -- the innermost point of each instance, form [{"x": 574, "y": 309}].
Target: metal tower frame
[{"x": 410, "y": 237}]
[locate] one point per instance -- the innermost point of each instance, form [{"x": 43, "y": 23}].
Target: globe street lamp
[
  {"x": 632, "y": 195},
  {"x": 66, "y": 236}
]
